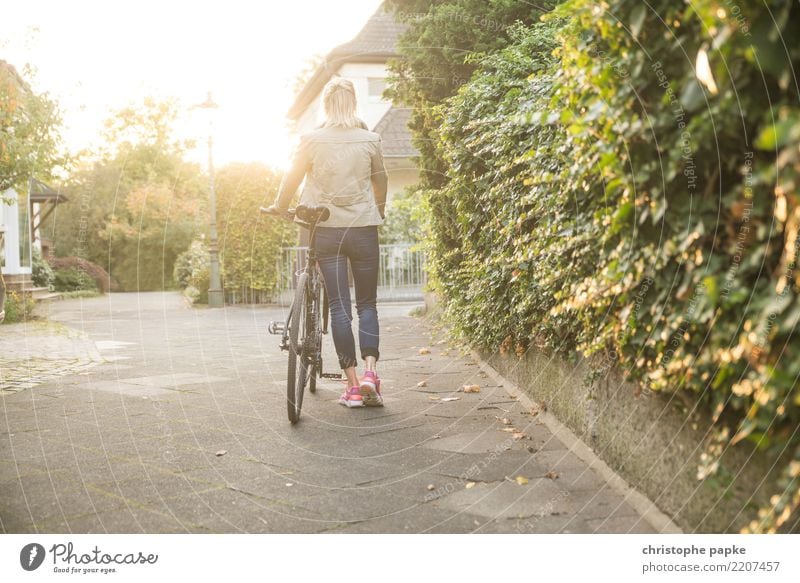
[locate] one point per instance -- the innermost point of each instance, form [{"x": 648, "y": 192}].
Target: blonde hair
[{"x": 339, "y": 101}]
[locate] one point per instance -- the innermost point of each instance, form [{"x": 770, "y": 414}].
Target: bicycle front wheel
[{"x": 298, "y": 371}]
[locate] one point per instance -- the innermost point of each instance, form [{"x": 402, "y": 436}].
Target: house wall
[
  {"x": 370, "y": 108},
  {"x": 402, "y": 173},
  {"x": 37, "y": 236},
  {"x": 10, "y": 218}
]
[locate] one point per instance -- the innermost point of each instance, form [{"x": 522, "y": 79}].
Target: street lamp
[{"x": 215, "y": 296}]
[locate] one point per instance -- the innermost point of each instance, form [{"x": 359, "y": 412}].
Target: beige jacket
[{"x": 343, "y": 170}]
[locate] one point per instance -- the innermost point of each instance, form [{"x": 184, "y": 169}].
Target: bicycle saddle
[{"x": 312, "y": 214}]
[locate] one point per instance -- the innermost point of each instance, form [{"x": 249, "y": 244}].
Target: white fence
[{"x": 401, "y": 273}]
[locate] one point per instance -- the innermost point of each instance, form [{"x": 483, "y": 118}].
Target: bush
[
  {"x": 406, "y": 218},
  {"x": 72, "y": 279},
  {"x": 18, "y": 307},
  {"x": 197, "y": 290},
  {"x": 189, "y": 263},
  {"x": 609, "y": 198},
  {"x": 102, "y": 280},
  {"x": 42, "y": 273},
  {"x": 192, "y": 272},
  {"x": 249, "y": 242}
]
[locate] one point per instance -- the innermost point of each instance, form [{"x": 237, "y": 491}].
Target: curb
[{"x": 662, "y": 523}]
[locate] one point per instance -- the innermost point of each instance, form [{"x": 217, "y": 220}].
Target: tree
[
  {"x": 135, "y": 204},
  {"x": 249, "y": 242},
  {"x": 29, "y": 138},
  {"x": 439, "y": 51},
  {"x": 29, "y": 131}
]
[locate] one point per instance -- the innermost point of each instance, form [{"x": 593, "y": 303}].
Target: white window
[{"x": 375, "y": 88}]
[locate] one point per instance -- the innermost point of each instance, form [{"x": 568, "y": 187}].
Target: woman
[{"x": 342, "y": 163}]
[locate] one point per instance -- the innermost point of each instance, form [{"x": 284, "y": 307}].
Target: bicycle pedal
[
  {"x": 330, "y": 375},
  {"x": 276, "y": 327}
]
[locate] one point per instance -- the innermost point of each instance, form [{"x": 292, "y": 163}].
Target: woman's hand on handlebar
[{"x": 278, "y": 212}]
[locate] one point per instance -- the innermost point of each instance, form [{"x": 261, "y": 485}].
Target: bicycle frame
[{"x": 315, "y": 282}]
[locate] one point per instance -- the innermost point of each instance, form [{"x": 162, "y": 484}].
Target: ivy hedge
[
  {"x": 249, "y": 242},
  {"x": 622, "y": 181}
]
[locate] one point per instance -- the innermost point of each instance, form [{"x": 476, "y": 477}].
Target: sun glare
[{"x": 94, "y": 58}]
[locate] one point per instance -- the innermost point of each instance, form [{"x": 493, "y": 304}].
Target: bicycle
[{"x": 309, "y": 307}]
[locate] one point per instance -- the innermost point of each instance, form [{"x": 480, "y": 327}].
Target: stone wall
[{"x": 654, "y": 441}]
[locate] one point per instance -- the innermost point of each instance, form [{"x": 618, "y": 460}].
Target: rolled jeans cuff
[{"x": 369, "y": 351}]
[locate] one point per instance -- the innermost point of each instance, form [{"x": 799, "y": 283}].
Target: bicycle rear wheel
[
  {"x": 298, "y": 372},
  {"x": 313, "y": 331}
]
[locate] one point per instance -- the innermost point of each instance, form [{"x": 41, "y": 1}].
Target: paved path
[{"x": 180, "y": 426}]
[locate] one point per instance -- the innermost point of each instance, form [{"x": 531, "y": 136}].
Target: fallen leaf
[
  {"x": 521, "y": 480},
  {"x": 221, "y": 452},
  {"x": 509, "y": 429},
  {"x": 433, "y": 397},
  {"x": 472, "y": 389},
  {"x": 469, "y": 485},
  {"x": 445, "y": 353},
  {"x": 424, "y": 351},
  {"x": 422, "y": 384},
  {"x": 450, "y": 399},
  {"x": 505, "y": 421},
  {"x": 431, "y": 487},
  {"x": 289, "y": 484},
  {"x": 518, "y": 435},
  {"x": 551, "y": 474}
]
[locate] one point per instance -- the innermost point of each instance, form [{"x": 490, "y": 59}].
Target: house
[
  {"x": 15, "y": 248},
  {"x": 363, "y": 61},
  {"x": 43, "y": 201},
  {"x": 21, "y": 214},
  {"x": 22, "y": 208}
]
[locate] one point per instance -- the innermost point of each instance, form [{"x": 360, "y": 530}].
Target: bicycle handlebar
[{"x": 306, "y": 213}]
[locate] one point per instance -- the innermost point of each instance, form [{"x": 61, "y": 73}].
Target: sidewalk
[{"x": 182, "y": 428}]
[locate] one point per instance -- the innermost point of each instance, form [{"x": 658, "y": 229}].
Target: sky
[{"x": 97, "y": 56}]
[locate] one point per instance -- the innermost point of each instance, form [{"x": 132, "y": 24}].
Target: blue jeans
[{"x": 335, "y": 245}]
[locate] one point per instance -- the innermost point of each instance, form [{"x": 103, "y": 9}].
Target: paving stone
[
  {"x": 540, "y": 497},
  {"x": 475, "y": 442},
  {"x": 130, "y": 446},
  {"x": 600, "y": 503},
  {"x": 418, "y": 519},
  {"x": 620, "y": 525}
]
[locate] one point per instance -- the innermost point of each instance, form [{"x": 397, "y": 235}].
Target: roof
[
  {"x": 393, "y": 129},
  {"x": 10, "y": 71},
  {"x": 40, "y": 192},
  {"x": 376, "y": 43},
  {"x": 378, "y": 38}
]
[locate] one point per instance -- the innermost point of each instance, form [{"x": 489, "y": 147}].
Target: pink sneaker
[
  {"x": 352, "y": 398},
  {"x": 370, "y": 386}
]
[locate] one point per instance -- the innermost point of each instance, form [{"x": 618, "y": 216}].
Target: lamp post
[{"x": 215, "y": 296}]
